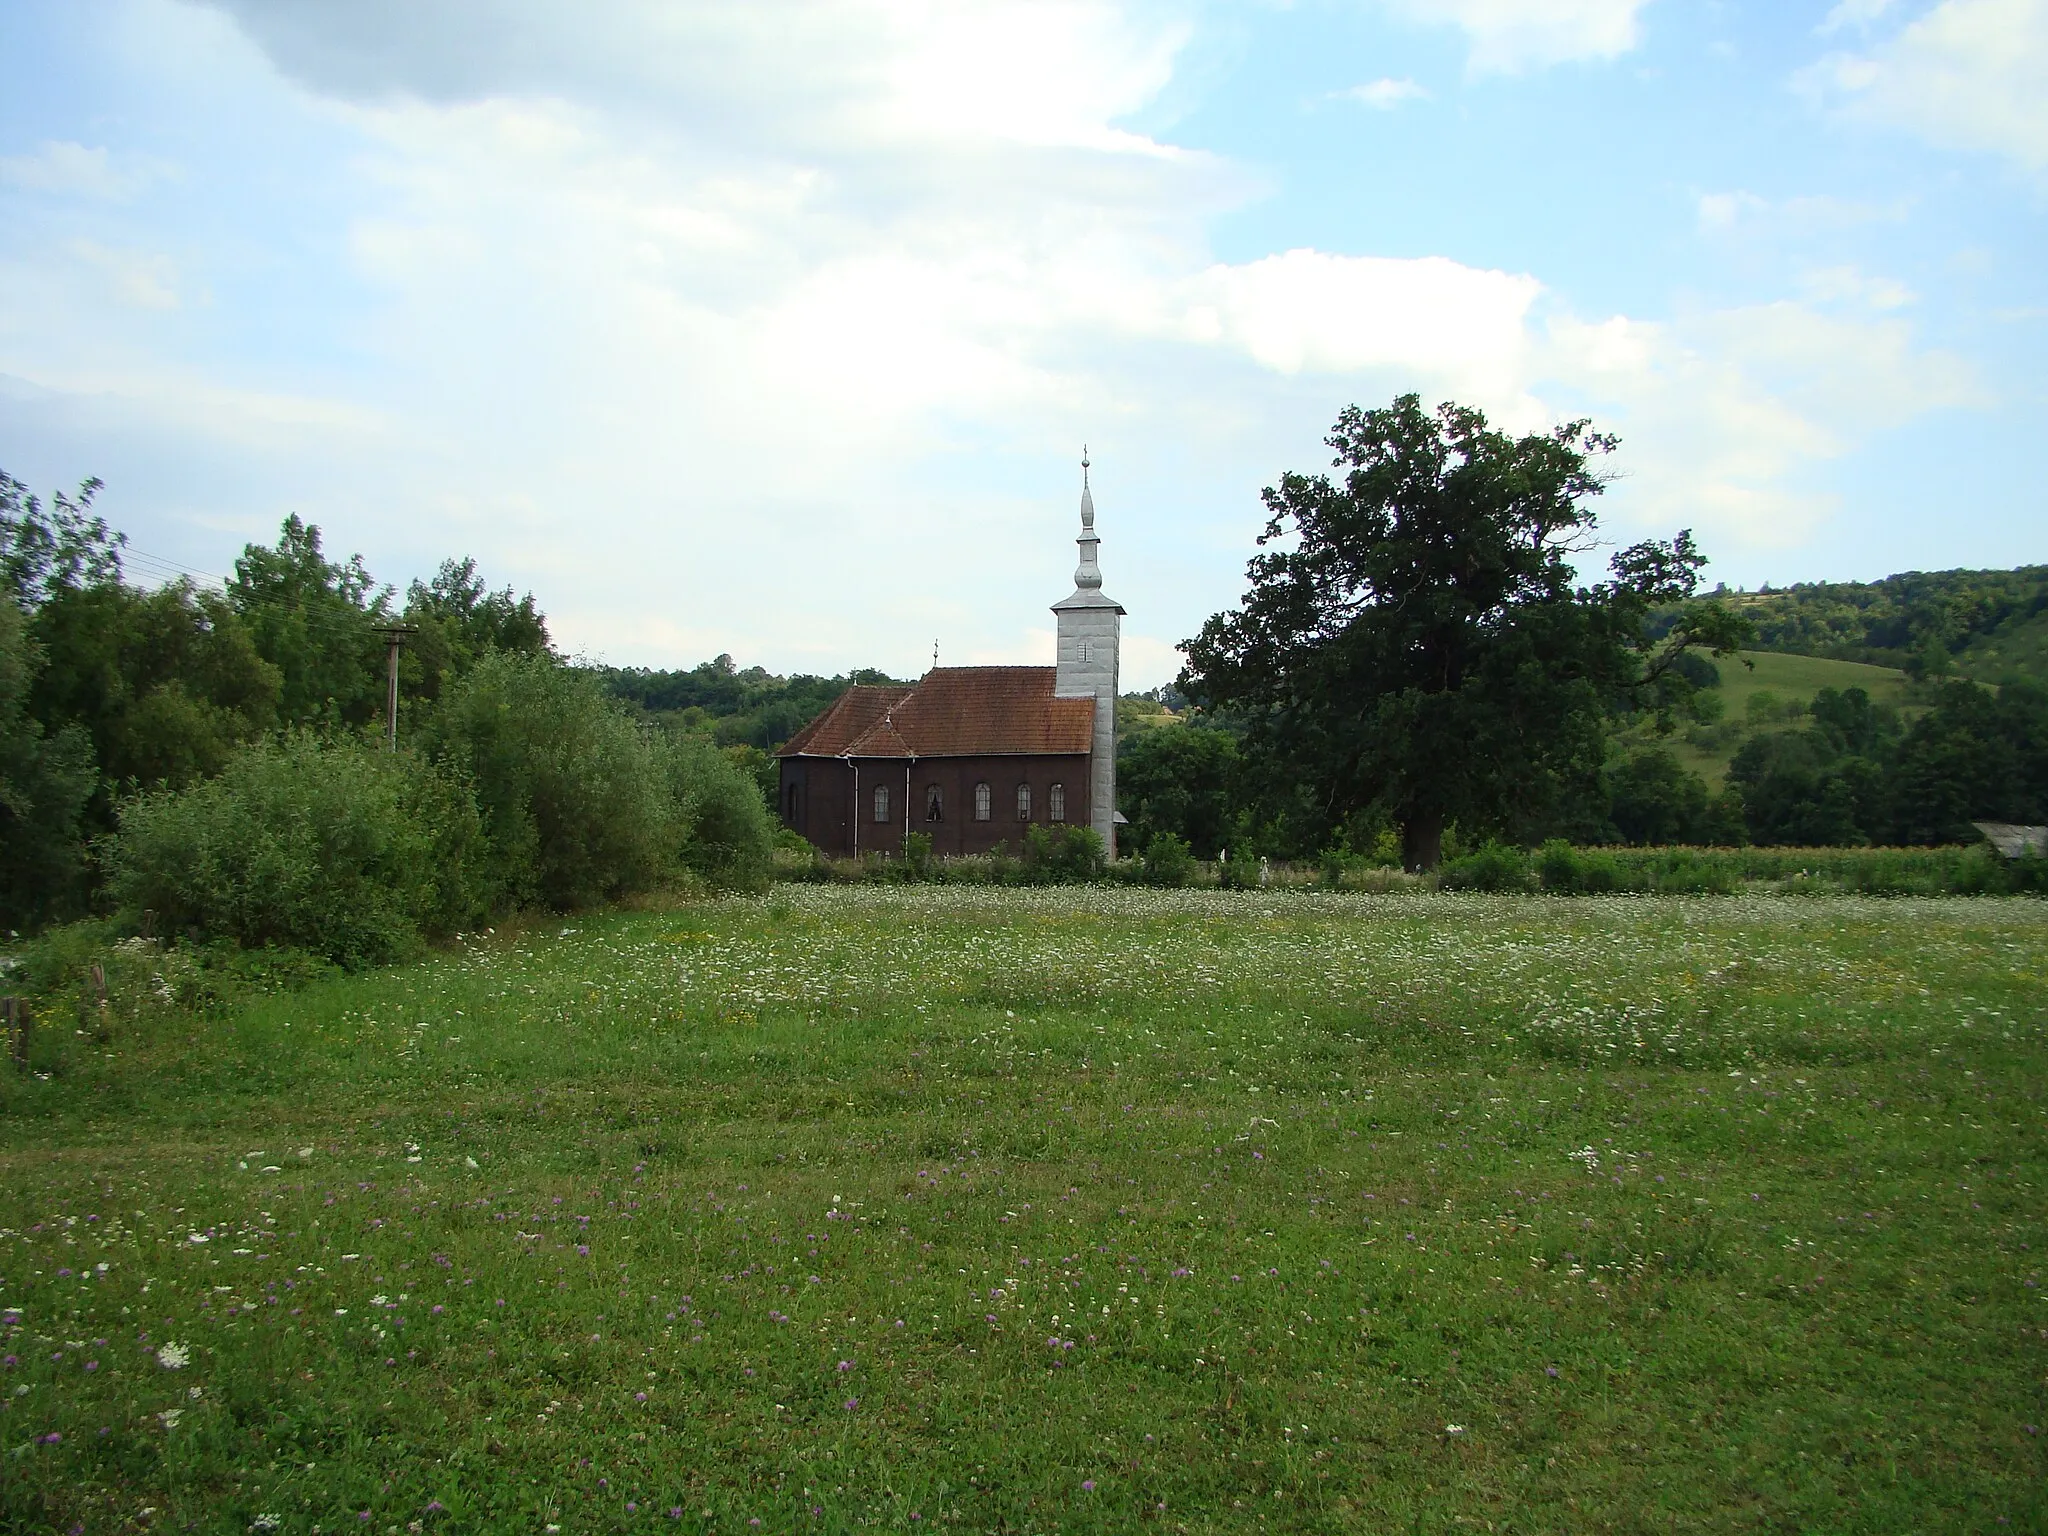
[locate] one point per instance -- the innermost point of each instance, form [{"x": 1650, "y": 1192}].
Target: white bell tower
[{"x": 1088, "y": 623}]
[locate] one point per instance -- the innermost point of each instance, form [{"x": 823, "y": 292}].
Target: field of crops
[{"x": 1058, "y": 1209}]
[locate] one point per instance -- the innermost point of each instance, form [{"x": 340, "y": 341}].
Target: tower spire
[{"x": 1087, "y": 575}]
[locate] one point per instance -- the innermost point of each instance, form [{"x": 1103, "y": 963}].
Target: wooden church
[{"x": 971, "y": 756}]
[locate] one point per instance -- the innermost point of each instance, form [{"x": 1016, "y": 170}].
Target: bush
[
  {"x": 1238, "y": 870},
  {"x": 580, "y": 805},
  {"x": 1062, "y": 855},
  {"x": 332, "y": 847},
  {"x": 917, "y": 854},
  {"x": 1494, "y": 867},
  {"x": 1168, "y": 861},
  {"x": 1573, "y": 871},
  {"x": 719, "y": 826},
  {"x": 1686, "y": 871}
]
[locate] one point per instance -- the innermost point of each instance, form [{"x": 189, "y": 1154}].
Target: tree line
[
  {"x": 1416, "y": 656},
  {"x": 208, "y": 759},
  {"x": 1990, "y": 626}
]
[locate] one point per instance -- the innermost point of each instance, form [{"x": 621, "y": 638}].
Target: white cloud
[
  {"x": 1853, "y": 13},
  {"x": 776, "y": 330},
  {"x": 1310, "y": 311},
  {"x": 1513, "y": 36},
  {"x": 77, "y": 170},
  {"x": 1725, "y": 416},
  {"x": 142, "y": 279},
  {"x": 1849, "y": 285},
  {"x": 1724, "y": 210},
  {"x": 1385, "y": 95},
  {"x": 1969, "y": 74}
]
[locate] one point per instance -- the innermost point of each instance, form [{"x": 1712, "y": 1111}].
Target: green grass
[
  {"x": 1036, "y": 1210},
  {"x": 1792, "y": 679},
  {"x": 1801, "y": 677}
]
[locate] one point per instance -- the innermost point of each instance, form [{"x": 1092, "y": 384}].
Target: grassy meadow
[
  {"x": 1034, "y": 1210},
  {"x": 1790, "y": 680}
]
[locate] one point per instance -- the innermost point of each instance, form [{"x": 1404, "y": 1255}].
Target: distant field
[
  {"x": 1792, "y": 679},
  {"x": 1058, "y": 1210}
]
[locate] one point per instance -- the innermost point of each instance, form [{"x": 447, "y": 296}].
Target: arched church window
[
  {"x": 1023, "y": 802},
  {"x": 934, "y": 804},
  {"x": 981, "y": 802},
  {"x": 881, "y": 802},
  {"x": 1056, "y": 803}
]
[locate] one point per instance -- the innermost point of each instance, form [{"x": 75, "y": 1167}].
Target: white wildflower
[{"x": 174, "y": 1357}]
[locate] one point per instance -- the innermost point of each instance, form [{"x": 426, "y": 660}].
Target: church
[{"x": 972, "y": 757}]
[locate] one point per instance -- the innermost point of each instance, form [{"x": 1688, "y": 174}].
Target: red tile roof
[{"x": 951, "y": 712}]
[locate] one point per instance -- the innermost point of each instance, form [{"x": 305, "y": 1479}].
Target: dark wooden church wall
[{"x": 817, "y": 800}]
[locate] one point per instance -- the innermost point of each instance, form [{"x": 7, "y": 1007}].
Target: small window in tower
[
  {"x": 1056, "y": 803},
  {"x": 1023, "y": 802},
  {"x": 981, "y": 802},
  {"x": 934, "y": 804},
  {"x": 1087, "y": 650},
  {"x": 881, "y": 802}
]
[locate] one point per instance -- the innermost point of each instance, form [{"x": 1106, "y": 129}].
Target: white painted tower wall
[{"x": 1088, "y": 663}]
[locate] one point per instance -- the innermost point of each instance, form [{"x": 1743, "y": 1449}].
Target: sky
[{"x": 777, "y": 328}]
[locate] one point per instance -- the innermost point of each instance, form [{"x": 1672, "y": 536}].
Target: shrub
[
  {"x": 1494, "y": 867},
  {"x": 2027, "y": 874},
  {"x": 332, "y": 847},
  {"x": 1576, "y": 871},
  {"x": 1058, "y": 855},
  {"x": 1168, "y": 861},
  {"x": 719, "y": 826},
  {"x": 917, "y": 854},
  {"x": 1238, "y": 870},
  {"x": 1685, "y": 871},
  {"x": 579, "y": 804}
]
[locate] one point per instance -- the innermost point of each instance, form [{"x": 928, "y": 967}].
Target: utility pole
[{"x": 394, "y": 636}]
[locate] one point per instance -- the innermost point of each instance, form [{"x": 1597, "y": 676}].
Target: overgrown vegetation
[
  {"x": 206, "y": 762},
  {"x": 1105, "y": 1210}
]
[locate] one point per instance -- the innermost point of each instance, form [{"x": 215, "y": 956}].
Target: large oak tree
[{"x": 1418, "y": 642}]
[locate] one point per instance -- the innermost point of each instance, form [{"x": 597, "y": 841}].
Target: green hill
[
  {"x": 1772, "y": 694},
  {"x": 1988, "y": 626}
]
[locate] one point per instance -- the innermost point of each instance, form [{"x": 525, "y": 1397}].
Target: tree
[
  {"x": 167, "y": 683},
  {"x": 459, "y": 620},
  {"x": 1178, "y": 781},
  {"x": 46, "y": 550},
  {"x": 1420, "y": 644},
  {"x": 45, "y": 781},
  {"x": 313, "y": 619},
  {"x": 1655, "y": 799}
]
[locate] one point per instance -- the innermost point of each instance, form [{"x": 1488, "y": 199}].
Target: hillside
[
  {"x": 1772, "y": 693},
  {"x": 1988, "y": 626}
]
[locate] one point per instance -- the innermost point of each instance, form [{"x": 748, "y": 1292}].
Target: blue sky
[{"x": 776, "y": 329}]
